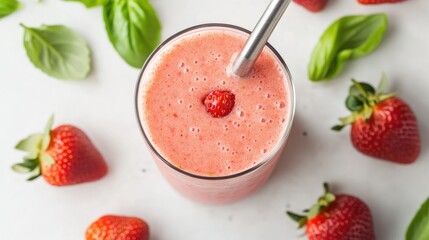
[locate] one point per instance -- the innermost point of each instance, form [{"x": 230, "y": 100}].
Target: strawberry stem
[
  {"x": 362, "y": 99},
  {"x": 35, "y": 145},
  {"x": 326, "y": 187},
  {"x": 322, "y": 203}
]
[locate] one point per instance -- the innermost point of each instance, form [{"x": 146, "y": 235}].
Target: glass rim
[{"x": 273, "y": 151}]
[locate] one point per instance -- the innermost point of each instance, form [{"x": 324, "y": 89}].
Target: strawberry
[
  {"x": 383, "y": 126},
  {"x": 378, "y": 1},
  {"x": 337, "y": 217},
  {"x": 313, "y": 5},
  {"x": 63, "y": 156},
  {"x": 219, "y": 103},
  {"x": 112, "y": 227}
]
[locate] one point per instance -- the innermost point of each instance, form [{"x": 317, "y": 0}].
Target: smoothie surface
[{"x": 174, "y": 116}]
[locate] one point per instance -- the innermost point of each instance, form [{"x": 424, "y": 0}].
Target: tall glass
[{"x": 215, "y": 189}]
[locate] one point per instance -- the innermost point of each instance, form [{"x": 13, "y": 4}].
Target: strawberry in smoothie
[{"x": 208, "y": 124}]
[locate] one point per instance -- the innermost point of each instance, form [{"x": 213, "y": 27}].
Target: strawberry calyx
[
  {"x": 362, "y": 99},
  {"x": 321, "y": 204},
  {"x": 35, "y": 145}
]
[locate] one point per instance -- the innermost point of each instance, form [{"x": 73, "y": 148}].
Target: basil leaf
[
  {"x": 8, "y": 6},
  {"x": 58, "y": 51},
  {"x": 346, "y": 39},
  {"x": 133, "y": 28},
  {"x": 419, "y": 227},
  {"x": 89, "y": 3}
]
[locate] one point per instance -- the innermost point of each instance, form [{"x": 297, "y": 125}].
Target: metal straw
[{"x": 243, "y": 63}]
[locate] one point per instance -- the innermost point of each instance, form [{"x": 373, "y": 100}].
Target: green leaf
[
  {"x": 47, "y": 134},
  {"x": 58, "y": 51},
  {"x": 329, "y": 197},
  {"x": 295, "y": 216},
  {"x": 133, "y": 29},
  {"x": 89, "y": 3},
  {"x": 354, "y": 104},
  {"x": 25, "y": 167},
  {"x": 419, "y": 226},
  {"x": 31, "y": 145},
  {"x": 20, "y": 169},
  {"x": 300, "y": 219},
  {"x": 314, "y": 210},
  {"x": 46, "y": 158},
  {"x": 35, "y": 174},
  {"x": 348, "y": 120},
  {"x": 361, "y": 89},
  {"x": 337, "y": 127},
  {"x": 348, "y": 38},
  {"x": 367, "y": 112},
  {"x": 383, "y": 97},
  {"x": 8, "y": 6},
  {"x": 383, "y": 84}
]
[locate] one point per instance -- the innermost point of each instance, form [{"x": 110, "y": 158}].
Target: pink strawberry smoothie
[{"x": 174, "y": 118}]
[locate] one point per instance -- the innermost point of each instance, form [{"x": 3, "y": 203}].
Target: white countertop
[{"x": 103, "y": 105}]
